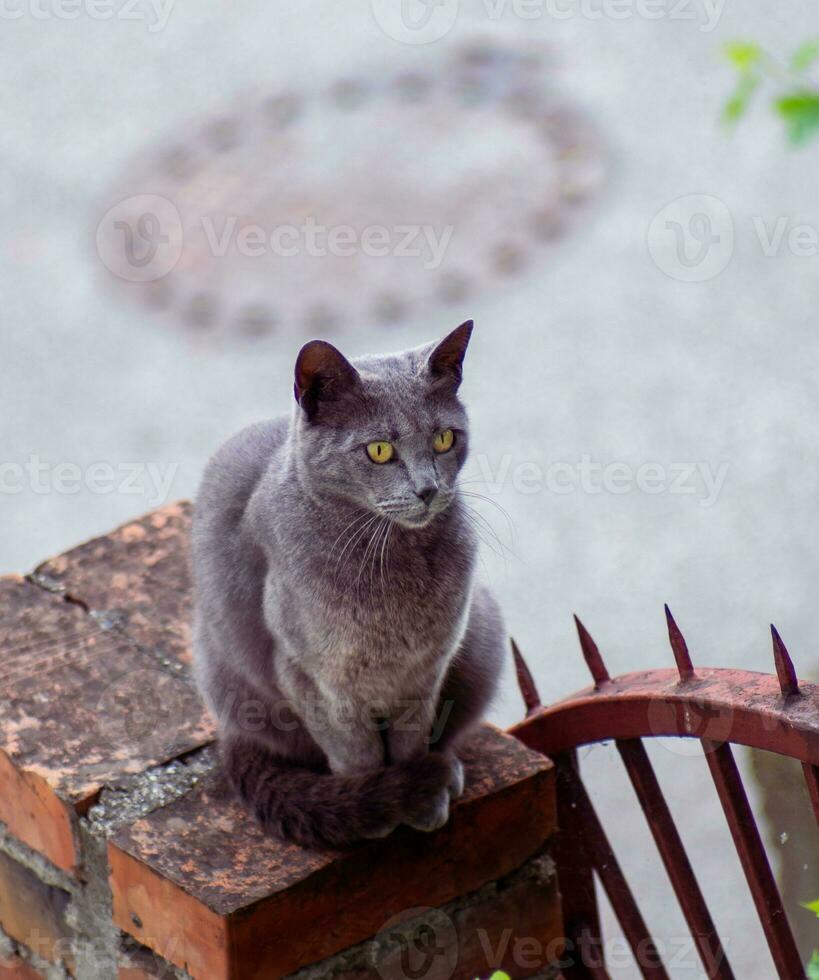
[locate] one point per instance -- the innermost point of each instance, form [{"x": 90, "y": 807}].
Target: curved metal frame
[{"x": 718, "y": 707}]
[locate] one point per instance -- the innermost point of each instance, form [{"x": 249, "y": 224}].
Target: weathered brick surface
[
  {"x": 141, "y": 964},
  {"x": 198, "y": 882},
  {"x": 513, "y": 924},
  {"x": 15, "y": 968},
  {"x": 516, "y": 930},
  {"x": 95, "y": 685},
  {"x": 33, "y": 913},
  {"x": 138, "y": 577},
  {"x": 85, "y": 697},
  {"x": 36, "y": 629}
]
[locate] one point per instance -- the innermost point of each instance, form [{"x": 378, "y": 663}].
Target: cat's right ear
[
  {"x": 446, "y": 360},
  {"x": 322, "y": 375}
]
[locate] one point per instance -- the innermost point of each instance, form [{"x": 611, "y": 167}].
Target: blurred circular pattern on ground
[{"x": 370, "y": 200}]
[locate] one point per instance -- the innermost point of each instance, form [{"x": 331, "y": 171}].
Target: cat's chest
[
  {"x": 409, "y": 608},
  {"x": 413, "y": 579},
  {"x": 383, "y": 643},
  {"x": 400, "y": 607}
]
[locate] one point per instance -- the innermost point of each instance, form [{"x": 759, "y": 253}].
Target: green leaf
[
  {"x": 800, "y": 110},
  {"x": 737, "y": 105},
  {"x": 805, "y": 55},
  {"x": 812, "y": 969},
  {"x": 811, "y": 907},
  {"x": 743, "y": 55}
]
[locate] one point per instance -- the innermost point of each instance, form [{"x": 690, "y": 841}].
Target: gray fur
[{"x": 340, "y": 638}]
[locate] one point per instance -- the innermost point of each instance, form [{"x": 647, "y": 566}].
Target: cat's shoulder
[
  {"x": 238, "y": 465},
  {"x": 256, "y": 442}
]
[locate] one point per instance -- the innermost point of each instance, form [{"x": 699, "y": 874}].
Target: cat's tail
[{"x": 315, "y": 809}]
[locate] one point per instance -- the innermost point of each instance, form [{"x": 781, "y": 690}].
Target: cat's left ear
[
  {"x": 323, "y": 374},
  {"x": 446, "y": 360}
]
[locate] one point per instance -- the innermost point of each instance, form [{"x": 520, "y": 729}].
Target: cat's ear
[
  {"x": 445, "y": 363},
  {"x": 323, "y": 374}
]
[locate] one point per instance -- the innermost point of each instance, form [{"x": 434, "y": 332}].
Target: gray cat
[{"x": 341, "y": 640}]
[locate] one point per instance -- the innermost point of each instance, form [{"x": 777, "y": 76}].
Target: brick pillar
[{"x": 122, "y": 854}]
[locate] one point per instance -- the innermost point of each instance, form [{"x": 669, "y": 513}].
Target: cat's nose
[{"x": 427, "y": 494}]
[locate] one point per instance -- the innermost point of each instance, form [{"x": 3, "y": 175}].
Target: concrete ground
[{"x": 597, "y": 354}]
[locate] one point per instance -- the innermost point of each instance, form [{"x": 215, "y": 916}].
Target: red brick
[
  {"x": 84, "y": 702},
  {"x": 15, "y": 968},
  {"x": 515, "y": 928},
  {"x": 137, "y": 971},
  {"x": 141, "y": 964},
  {"x": 33, "y": 913},
  {"x": 139, "y": 575},
  {"x": 198, "y": 882}
]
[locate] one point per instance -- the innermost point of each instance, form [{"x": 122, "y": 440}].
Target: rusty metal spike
[
  {"x": 784, "y": 665},
  {"x": 526, "y": 682},
  {"x": 679, "y": 647},
  {"x": 591, "y": 654}
]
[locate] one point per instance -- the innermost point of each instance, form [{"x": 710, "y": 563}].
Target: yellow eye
[
  {"x": 443, "y": 441},
  {"x": 380, "y": 452}
]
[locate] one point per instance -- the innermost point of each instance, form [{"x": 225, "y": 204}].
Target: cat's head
[{"x": 387, "y": 433}]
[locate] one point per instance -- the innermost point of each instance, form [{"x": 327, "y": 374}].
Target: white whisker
[
  {"x": 354, "y": 540},
  {"x": 495, "y": 504}
]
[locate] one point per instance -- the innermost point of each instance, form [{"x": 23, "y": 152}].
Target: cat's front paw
[
  {"x": 432, "y": 815},
  {"x": 456, "y": 780},
  {"x": 378, "y": 832}
]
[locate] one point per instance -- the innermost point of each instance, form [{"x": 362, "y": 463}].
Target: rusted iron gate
[{"x": 773, "y": 713}]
